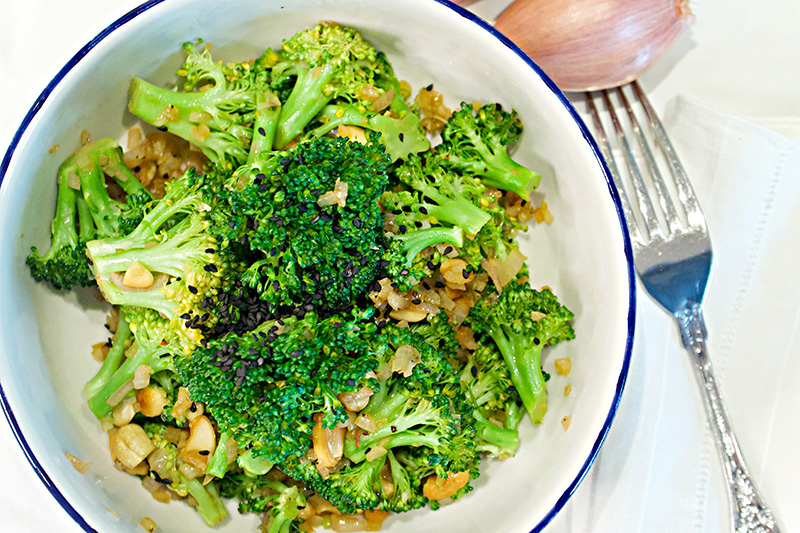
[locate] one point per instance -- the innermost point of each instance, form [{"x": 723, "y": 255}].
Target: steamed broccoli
[
  {"x": 311, "y": 215},
  {"x": 177, "y": 265},
  {"x": 476, "y": 141},
  {"x": 225, "y": 110},
  {"x": 434, "y": 205},
  {"x": 85, "y": 211},
  {"x": 154, "y": 347},
  {"x": 521, "y": 322},
  {"x": 421, "y": 413},
  {"x": 265, "y": 386},
  {"x": 332, "y": 64},
  {"x": 266, "y": 494}
]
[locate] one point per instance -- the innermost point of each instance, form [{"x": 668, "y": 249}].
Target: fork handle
[{"x": 750, "y": 512}]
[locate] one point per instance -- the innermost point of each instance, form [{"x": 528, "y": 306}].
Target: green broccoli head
[
  {"x": 521, "y": 321},
  {"x": 85, "y": 211},
  {"x": 311, "y": 213},
  {"x": 476, "y": 141},
  {"x": 218, "y": 110}
]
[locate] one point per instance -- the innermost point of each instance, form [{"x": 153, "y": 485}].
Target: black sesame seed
[
  {"x": 403, "y": 229},
  {"x": 204, "y": 452},
  {"x": 423, "y": 210},
  {"x": 162, "y": 128},
  {"x": 210, "y": 268},
  {"x": 474, "y": 371},
  {"x": 262, "y": 132},
  {"x": 448, "y": 250}
]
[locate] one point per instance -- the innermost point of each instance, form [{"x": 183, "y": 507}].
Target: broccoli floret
[
  {"x": 83, "y": 199},
  {"x": 265, "y": 386},
  {"x": 154, "y": 347},
  {"x": 175, "y": 250},
  {"x": 311, "y": 214},
  {"x": 332, "y": 64},
  {"x": 435, "y": 205},
  {"x": 419, "y": 406},
  {"x": 476, "y": 141},
  {"x": 400, "y": 128},
  {"x": 521, "y": 322},
  {"x": 442, "y": 196},
  {"x": 266, "y": 494},
  {"x": 219, "y": 109},
  {"x": 167, "y": 472}
]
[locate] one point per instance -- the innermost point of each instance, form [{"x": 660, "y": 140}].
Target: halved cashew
[{"x": 138, "y": 277}]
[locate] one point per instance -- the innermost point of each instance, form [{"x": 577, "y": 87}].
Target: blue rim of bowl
[{"x": 565, "y": 496}]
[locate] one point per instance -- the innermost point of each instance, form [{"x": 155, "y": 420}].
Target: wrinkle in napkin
[{"x": 659, "y": 469}]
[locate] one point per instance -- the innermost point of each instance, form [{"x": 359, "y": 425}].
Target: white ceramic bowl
[{"x": 585, "y": 256}]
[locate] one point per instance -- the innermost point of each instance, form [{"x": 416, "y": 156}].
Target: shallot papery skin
[{"x": 595, "y": 44}]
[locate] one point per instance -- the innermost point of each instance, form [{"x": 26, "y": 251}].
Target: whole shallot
[{"x": 595, "y": 44}]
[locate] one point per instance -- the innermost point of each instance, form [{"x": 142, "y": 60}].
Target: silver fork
[{"x": 672, "y": 254}]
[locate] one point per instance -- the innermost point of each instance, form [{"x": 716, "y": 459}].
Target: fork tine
[
  {"x": 605, "y": 149},
  {"x": 646, "y": 208},
  {"x": 662, "y": 193},
  {"x": 694, "y": 215}
]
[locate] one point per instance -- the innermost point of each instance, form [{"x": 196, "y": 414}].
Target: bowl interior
[{"x": 45, "y": 336}]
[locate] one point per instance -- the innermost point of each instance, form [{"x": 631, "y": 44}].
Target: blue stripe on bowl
[{"x": 37, "y": 105}]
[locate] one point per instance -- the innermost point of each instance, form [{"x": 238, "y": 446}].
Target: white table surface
[{"x": 740, "y": 56}]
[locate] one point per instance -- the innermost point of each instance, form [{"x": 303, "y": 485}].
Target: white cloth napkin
[{"x": 659, "y": 470}]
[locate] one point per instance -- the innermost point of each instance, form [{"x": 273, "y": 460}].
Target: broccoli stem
[
  {"x": 268, "y": 109},
  {"x": 100, "y": 403},
  {"x": 417, "y": 240},
  {"x": 286, "y": 508},
  {"x": 187, "y": 245},
  {"x": 218, "y": 464},
  {"x": 457, "y": 210},
  {"x": 494, "y": 439},
  {"x": 86, "y": 229},
  {"x": 305, "y": 101},
  {"x": 104, "y": 210},
  {"x": 176, "y": 201},
  {"x": 209, "y": 504},
  {"x": 112, "y": 361},
  {"x": 149, "y": 299},
  {"x": 523, "y": 359},
  {"x": 149, "y": 102},
  {"x": 62, "y": 229}
]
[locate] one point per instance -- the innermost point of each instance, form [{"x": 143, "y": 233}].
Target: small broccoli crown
[
  {"x": 476, "y": 141},
  {"x": 84, "y": 211},
  {"x": 189, "y": 272},
  {"x": 215, "y": 112},
  {"x": 311, "y": 213},
  {"x": 438, "y": 333},
  {"x": 486, "y": 380},
  {"x": 154, "y": 346},
  {"x": 266, "y": 494},
  {"x": 521, "y": 321},
  {"x": 265, "y": 385}
]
